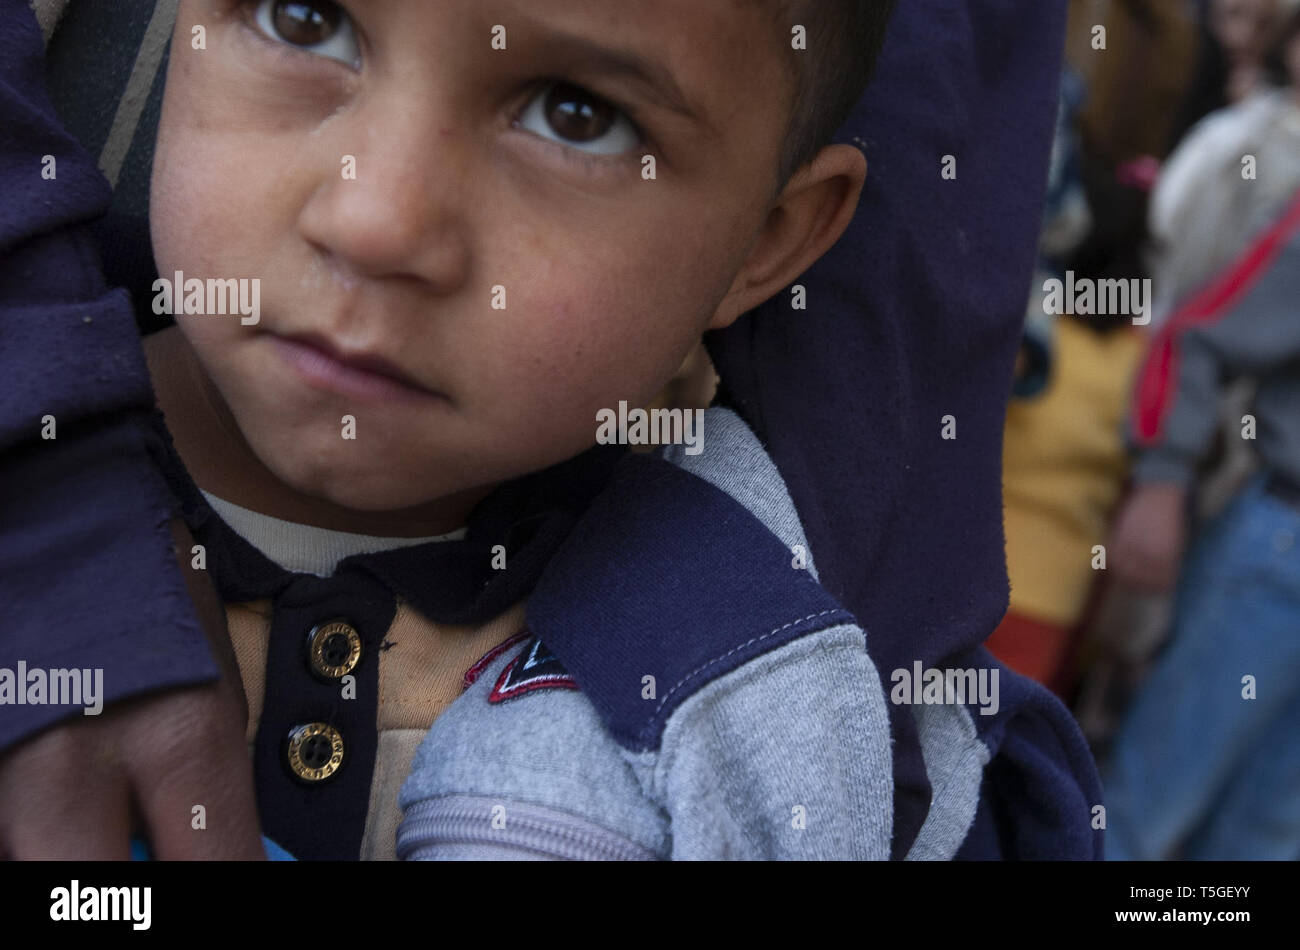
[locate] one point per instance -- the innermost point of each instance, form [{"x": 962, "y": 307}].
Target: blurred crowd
[{"x": 1152, "y": 461}]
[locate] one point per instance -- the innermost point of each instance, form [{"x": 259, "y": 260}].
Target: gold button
[
  {"x": 315, "y": 751},
  {"x": 333, "y": 649}
]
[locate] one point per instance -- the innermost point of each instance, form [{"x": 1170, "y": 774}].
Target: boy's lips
[{"x": 362, "y": 375}]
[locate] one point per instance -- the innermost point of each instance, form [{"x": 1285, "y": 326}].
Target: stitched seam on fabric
[
  {"x": 666, "y": 759},
  {"x": 718, "y": 659}
]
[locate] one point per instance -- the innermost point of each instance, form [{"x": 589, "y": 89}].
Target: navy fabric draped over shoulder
[{"x": 914, "y": 316}]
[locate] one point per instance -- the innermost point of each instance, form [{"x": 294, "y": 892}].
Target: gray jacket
[{"x": 787, "y": 756}]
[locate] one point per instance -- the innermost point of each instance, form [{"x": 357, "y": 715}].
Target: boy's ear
[{"x": 808, "y": 216}]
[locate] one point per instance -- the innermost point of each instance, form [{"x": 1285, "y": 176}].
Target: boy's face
[{"x": 476, "y": 169}]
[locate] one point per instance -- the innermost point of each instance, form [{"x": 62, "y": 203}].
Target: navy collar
[{"x": 451, "y": 582}]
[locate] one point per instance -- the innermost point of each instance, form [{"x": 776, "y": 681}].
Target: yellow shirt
[{"x": 1063, "y": 465}]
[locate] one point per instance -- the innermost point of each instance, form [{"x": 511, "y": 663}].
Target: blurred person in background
[
  {"x": 1203, "y": 179},
  {"x": 1168, "y": 64},
  {"x": 1232, "y": 46},
  {"x": 1136, "y": 84},
  {"x": 1064, "y": 460},
  {"x": 1206, "y": 765}
]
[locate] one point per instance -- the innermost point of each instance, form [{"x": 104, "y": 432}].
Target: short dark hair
[{"x": 843, "y": 42}]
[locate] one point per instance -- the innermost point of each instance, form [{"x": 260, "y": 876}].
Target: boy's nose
[{"x": 395, "y": 203}]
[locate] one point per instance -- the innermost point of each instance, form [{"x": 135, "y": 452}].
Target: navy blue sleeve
[
  {"x": 88, "y": 578},
  {"x": 912, "y": 324}
]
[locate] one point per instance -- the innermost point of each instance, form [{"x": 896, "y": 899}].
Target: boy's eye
[
  {"x": 568, "y": 113},
  {"x": 320, "y": 27}
]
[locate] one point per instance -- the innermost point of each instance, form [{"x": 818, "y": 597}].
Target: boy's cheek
[
  {"x": 224, "y": 180},
  {"x": 580, "y": 347},
  {"x": 190, "y": 200},
  {"x": 611, "y": 320},
  {"x": 222, "y": 210}
]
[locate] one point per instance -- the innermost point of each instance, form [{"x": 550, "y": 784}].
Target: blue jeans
[{"x": 1198, "y": 771}]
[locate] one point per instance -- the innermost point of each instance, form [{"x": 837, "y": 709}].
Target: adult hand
[
  {"x": 77, "y": 790},
  {"x": 1149, "y": 537}
]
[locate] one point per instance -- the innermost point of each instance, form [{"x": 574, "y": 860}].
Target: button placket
[{"x": 316, "y": 743}]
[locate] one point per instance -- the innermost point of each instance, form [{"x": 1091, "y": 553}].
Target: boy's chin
[
  {"x": 371, "y": 489},
  {"x": 376, "y": 495}
]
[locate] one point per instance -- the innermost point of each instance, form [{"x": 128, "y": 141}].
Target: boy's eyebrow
[{"x": 653, "y": 77}]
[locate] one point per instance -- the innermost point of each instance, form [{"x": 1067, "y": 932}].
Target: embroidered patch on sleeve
[
  {"x": 475, "y": 671},
  {"x": 535, "y": 667}
]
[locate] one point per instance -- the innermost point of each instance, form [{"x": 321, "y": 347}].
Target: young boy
[
  {"x": 463, "y": 263},
  {"x": 465, "y": 259}
]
